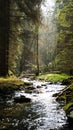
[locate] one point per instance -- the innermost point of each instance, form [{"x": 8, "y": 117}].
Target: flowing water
[{"x": 42, "y": 113}]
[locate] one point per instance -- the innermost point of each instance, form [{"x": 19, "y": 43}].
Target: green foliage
[
  {"x": 30, "y": 8},
  {"x": 63, "y": 60},
  {"x": 25, "y": 15},
  {"x": 64, "y": 51}
]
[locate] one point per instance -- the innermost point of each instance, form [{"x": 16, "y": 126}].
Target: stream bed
[{"x": 42, "y": 113}]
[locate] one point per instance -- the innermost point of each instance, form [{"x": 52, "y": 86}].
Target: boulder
[
  {"x": 21, "y": 99},
  {"x": 39, "y": 86},
  {"x": 28, "y": 83},
  {"x": 69, "y": 111},
  {"x": 70, "y": 114},
  {"x": 67, "y": 81},
  {"x": 70, "y": 117}
]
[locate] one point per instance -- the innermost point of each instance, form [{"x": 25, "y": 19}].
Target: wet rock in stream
[
  {"x": 21, "y": 99},
  {"x": 29, "y": 89}
]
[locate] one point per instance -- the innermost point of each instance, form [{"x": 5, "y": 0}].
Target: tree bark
[
  {"x": 4, "y": 36},
  {"x": 37, "y": 49}
]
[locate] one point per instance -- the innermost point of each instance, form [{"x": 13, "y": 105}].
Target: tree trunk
[
  {"x": 37, "y": 47},
  {"x": 4, "y": 36}
]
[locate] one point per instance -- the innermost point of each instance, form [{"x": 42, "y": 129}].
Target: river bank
[
  {"x": 13, "y": 83},
  {"x": 66, "y": 95},
  {"x": 10, "y": 84}
]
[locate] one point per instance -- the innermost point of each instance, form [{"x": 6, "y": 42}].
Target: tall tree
[
  {"x": 32, "y": 11},
  {"x": 4, "y": 36}
]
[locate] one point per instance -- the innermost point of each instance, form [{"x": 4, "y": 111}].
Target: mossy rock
[
  {"x": 67, "y": 81},
  {"x": 21, "y": 99},
  {"x": 54, "y": 78},
  {"x": 28, "y": 83},
  {"x": 67, "y": 96},
  {"x": 69, "y": 110},
  {"x": 8, "y": 85},
  {"x": 68, "y": 106}
]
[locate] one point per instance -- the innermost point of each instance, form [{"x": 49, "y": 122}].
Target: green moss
[
  {"x": 68, "y": 106},
  {"x": 12, "y": 82},
  {"x": 67, "y": 96},
  {"x": 63, "y": 97},
  {"x": 53, "y": 77},
  {"x": 71, "y": 86}
]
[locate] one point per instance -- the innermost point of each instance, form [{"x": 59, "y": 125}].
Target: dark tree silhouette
[{"x": 4, "y": 36}]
